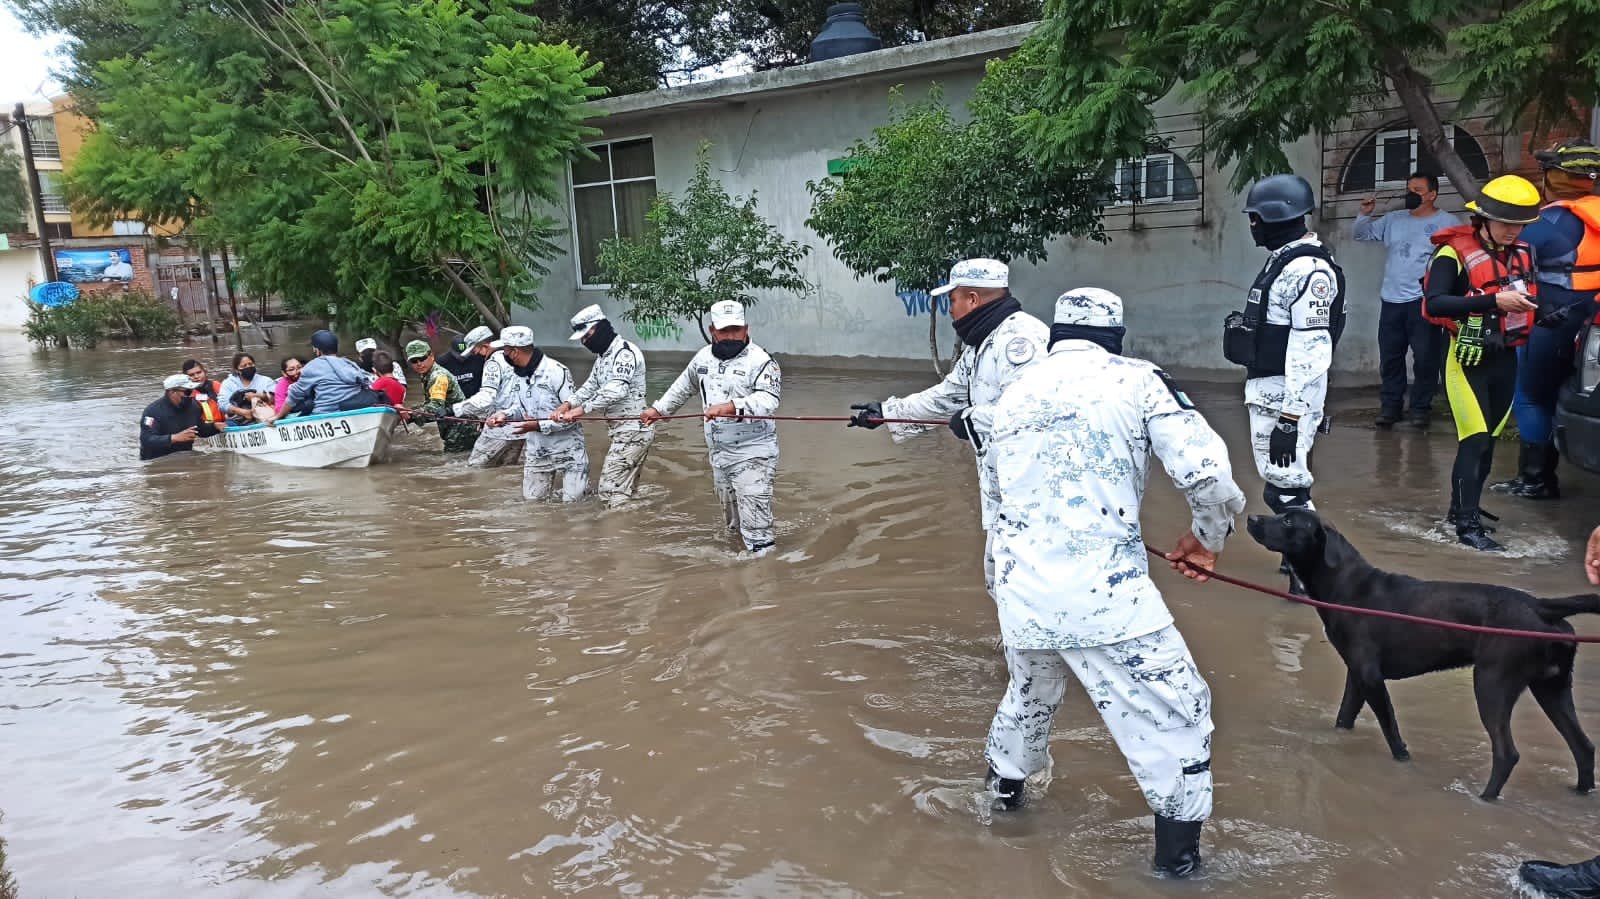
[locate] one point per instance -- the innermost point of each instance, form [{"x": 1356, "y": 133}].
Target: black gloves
[
  {"x": 958, "y": 425},
  {"x": 868, "y": 415},
  {"x": 1284, "y": 443}
]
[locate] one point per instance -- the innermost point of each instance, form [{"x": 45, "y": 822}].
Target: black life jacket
[{"x": 1247, "y": 338}]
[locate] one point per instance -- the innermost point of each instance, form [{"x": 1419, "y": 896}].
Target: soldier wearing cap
[
  {"x": 466, "y": 359},
  {"x": 441, "y": 394},
  {"x": 531, "y": 388},
  {"x": 734, "y": 378},
  {"x": 999, "y": 342},
  {"x": 1566, "y": 252},
  {"x": 171, "y": 424},
  {"x": 614, "y": 389},
  {"x": 1069, "y": 448},
  {"x": 495, "y": 446}
]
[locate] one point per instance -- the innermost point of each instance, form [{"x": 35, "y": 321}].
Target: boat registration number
[{"x": 313, "y": 430}]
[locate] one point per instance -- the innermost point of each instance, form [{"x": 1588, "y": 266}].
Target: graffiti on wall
[
  {"x": 658, "y": 328},
  {"x": 919, "y": 302}
]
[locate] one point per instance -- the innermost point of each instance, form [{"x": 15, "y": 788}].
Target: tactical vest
[{"x": 1247, "y": 338}]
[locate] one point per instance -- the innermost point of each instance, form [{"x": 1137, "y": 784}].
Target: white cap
[
  {"x": 976, "y": 273},
  {"x": 177, "y": 382},
  {"x": 514, "y": 336},
  {"x": 366, "y": 343},
  {"x": 476, "y": 336},
  {"x": 1091, "y": 307},
  {"x": 727, "y": 314},
  {"x": 587, "y": 317}
]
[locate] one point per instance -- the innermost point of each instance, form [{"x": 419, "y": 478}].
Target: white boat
[{"x": 330, "y": 440}]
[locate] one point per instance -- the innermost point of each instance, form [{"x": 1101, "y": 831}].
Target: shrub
[{"x": 91, "y": 318}]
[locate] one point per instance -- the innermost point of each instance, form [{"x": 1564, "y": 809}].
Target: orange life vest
[
  {"x": 206, "y": 396},
  {"x": 1487, "y": 274},
  {"x": 1585, "y": 270}
]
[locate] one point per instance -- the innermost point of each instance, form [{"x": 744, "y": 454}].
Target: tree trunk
[
  {"x": 490, "y": 318},
  {"x": 700, "y": 323},
  {"x": 933, "y": 334},
  {"x": 1415, "y": 91},
  {"x": 233, "y": 301},
  {"x": 209, "y": 285}
]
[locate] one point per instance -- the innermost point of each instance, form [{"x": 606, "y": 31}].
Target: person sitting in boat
[
  {"x": 330, "y": 382},
  {"x": 290, "y": 366},
  {"x": 367, "y": 351},
  {"x": 393, "y": 388},
  {"x": 171, "y": 424},
  {"x": 240, "y": 389}
]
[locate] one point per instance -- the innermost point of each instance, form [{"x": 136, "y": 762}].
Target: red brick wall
[{"x": 1528, "y": 167}]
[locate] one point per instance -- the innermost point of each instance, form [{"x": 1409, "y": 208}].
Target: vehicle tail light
[{"x": 1589, "y": 362}]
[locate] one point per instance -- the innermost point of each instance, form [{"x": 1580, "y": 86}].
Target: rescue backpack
[
  {"x": 1249, "y": 341},
  {"x": 1486, "y": 275}
]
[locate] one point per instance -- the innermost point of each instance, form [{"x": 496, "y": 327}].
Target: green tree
[
  {"x": 391, "y": 157},
  {"x": 13, "y": 191},
  {"x": 1268, "y": 73},
  {"x": 776, "y": 33},
  {"x": 702, "y": 249},
  {"x": 927, "y": 190}
]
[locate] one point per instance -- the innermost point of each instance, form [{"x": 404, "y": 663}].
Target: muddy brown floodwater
[{"x": 224, "y": 678}]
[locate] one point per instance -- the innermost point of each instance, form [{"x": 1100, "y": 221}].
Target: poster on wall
[{"x": 88, "y": 266}]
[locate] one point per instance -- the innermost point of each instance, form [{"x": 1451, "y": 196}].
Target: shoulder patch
[
  {"x": 149, "y": 422},
  {"x": 1183, "y": 398},
  {"x": 1019, "y": 350}
]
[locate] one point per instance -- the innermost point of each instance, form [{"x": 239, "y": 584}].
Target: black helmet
[
  {"x": 1575, "y": 157},
  {"x": 1280, "y": 198}
]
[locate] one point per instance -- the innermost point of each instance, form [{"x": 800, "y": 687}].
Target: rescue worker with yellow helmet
[
  {"x": 1566, "y": 250},
  {"x": 1480, "y": 287}
]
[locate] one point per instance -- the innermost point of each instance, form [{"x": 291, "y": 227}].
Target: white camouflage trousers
[
  {"x": 1151, "y": 697},
  {"x": 493, "y": 452},
  {"x": 619, "y": 473},
  {"x": 549, "y": 461},
  {"x": 1297, "y": 475},
  {"x": 744, "y": 488}
]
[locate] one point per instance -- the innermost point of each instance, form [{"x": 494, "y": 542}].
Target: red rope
[
  {"x": 1395, "y": 616},
  {"x": 882, "y": 421}
]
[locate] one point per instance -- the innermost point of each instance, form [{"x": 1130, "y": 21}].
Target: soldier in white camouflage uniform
[
  {"x": 1302, "y": 293},
  {"x": 534, "y": 388},
  {"x": 734, "y": 378},
  {"x": 496, "y": 390},
  {"x": 998, "y": 343},
  {"x": 614, "y": 389},
  {"x": 1070, "y": 452}
]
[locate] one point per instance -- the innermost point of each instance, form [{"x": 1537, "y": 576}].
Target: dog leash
[{"x": 1384, "y": 613}]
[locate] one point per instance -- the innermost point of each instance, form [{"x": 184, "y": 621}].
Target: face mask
[
  {"x": 526, "y": 371},
  {"x": 728, "y": 349},
  {"x": 600, "y": 341},
  {"x": 1413, "y": 200},
  {"x": 1277, "y": 235},
  {"x": 247, "y": 374}
]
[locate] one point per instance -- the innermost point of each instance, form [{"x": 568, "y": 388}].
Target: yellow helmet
[{"x": 1508, "y": 198}]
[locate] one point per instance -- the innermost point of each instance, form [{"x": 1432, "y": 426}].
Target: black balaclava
[
  {"x": 728, "y": 349},
  {"x": 526, "y": 371},
  {"x": 1109, "y": 338},
  {"x": 974, "y": 327},
  {"x": 1277, "y": 235},
  {"x": 600, "y": 341}
]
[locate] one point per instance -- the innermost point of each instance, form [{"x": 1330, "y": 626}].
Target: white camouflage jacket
[
  {"x": 752, "y": 380},
  {"x": 1070, "y": 452},
  {"x": 615, "y": 386},
  {"x": 493, "y": 395},
  {"x": 1302, "y": 298},
  {"x": 976, "y": 380},
  {"x": 533, "y": 399}
]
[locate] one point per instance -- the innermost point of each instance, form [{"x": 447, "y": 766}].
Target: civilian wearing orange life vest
[
  {"x": 1480, "y": 287},
  {"x": 1566, "y": 247},
  {"x": 205, "y": 391}
]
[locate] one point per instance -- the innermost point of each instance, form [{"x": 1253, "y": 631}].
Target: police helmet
[{"x": 1280, "y": 198}]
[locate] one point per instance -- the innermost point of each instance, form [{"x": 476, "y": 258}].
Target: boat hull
[{"x": 331, "y": 440}]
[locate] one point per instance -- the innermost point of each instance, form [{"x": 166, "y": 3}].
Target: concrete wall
[
  {"x": 1178, "y": 283},
  {"x": 19, "y": 270}
]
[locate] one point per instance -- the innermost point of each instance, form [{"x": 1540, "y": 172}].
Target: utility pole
[{"x": 19, "y": 117}]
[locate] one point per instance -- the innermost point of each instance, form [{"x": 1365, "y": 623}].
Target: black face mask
[
  {"x": 1277, "y": 235},
  {"x": 366, "y": 359},
  {"x": 247, "y": 374},
  {"x": 728, "y": 349},
  {"x": 975, "y": 327},
  {"x": 600, "y": 340},
  {"x": 1109, "y": 338},
  {"x": 1413, "y": 200},
  {"x": 526, "y": 371}
]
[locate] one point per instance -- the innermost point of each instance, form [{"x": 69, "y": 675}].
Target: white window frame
[
  {"x": 1142, "y": 179},
  {"x": 572, "y": 199},
  {"x": 45, "y": 148},
  {"x": 1416, "y": 147},
  {"x": 52, "y": 202}
]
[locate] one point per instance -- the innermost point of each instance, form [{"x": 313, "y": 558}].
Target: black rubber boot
[
  {"x": 1540, "y": 480},
  {"x": 1177, "y": 847},
  {"x": 1466, "y": 517},
  {"x": 1579, "y": 881},
  {"x": 1007, "y": 792},
  {"x": 1386, "y": 420},
  {"x": 1530, "y": 464}
]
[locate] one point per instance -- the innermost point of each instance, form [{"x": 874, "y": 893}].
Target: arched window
[
  {"x": 1161, "y": 177},
  {"x": 1389, "y": 156}
]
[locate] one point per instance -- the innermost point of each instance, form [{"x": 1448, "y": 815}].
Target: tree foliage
[
  {"x": 1268, "y": 73},
  {"x": 13, "y": 191},
  {"x": 928, "y": 190},
  {"x": 702, "y": 249},
  {"x": 387, "y": 156},
  {"x": 774, "y": 33}
]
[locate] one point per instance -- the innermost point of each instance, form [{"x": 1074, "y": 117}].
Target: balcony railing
[{"x": 54, "y": 203}]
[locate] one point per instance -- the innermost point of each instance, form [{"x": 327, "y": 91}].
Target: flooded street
[{"x": 225, "y": 678}]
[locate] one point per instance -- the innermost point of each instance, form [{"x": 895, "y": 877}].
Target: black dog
[{"x": 1379, "y": 649}]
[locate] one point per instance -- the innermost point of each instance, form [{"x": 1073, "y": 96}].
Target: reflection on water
[{"x": 223, "y": 678}]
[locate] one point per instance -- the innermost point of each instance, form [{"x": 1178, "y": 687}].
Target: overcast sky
[{"x": 25, "y": 75}]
